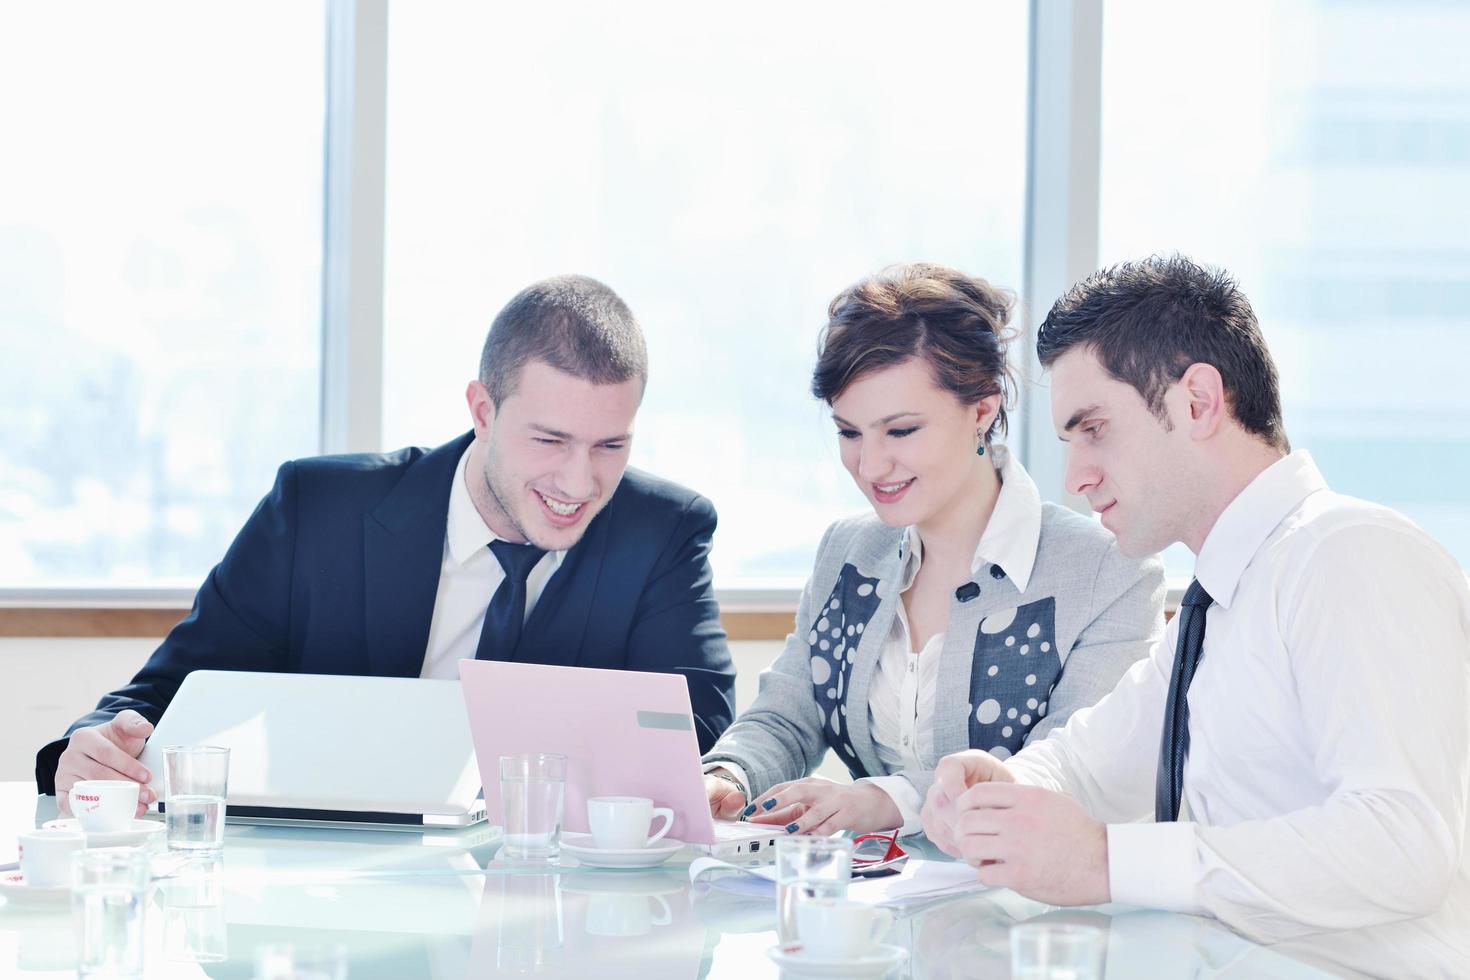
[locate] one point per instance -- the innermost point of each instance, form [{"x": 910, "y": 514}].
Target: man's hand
[
  {"x": 725, "y": 799},
  {"x": 952, "y": 777},
  {"x": 1033, "y": 841},
  {"x": 820, "y": 806},
  {"x": 107, "y": 751}
]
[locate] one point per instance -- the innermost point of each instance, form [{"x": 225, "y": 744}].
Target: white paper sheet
[{"x": 918, "y": 881}]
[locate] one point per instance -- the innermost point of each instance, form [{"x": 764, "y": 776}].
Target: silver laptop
[{"x": 315, "y": 749}]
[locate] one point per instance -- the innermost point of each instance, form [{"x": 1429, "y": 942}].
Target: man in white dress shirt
[{"x": 1294, "y": 757}]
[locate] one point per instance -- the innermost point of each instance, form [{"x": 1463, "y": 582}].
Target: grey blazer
[{"x": 1086, "y": 616}]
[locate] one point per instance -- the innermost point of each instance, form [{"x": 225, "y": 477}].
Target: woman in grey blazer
[{"x": 963, "y": 612}]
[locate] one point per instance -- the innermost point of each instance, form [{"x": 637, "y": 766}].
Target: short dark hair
[
  {"x": 955, "y": 323},
  {"x": 1148, "y": 321},
  {"x": 573, "y": 323}
]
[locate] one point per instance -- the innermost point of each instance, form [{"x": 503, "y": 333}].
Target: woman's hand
[
  {"x": 819, "y": 806},
  {"x": 725, "y": 799}
]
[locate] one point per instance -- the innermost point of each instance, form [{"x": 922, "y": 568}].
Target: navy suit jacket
[{"x": 337, "y": 570}]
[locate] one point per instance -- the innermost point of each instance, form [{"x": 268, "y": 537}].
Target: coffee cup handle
[
  {"x": 665, "y": 914},
  {"x": 882, "y": 921},
  {"x": 668, "y": 816}
]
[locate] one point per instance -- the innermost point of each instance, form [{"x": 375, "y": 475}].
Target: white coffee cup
[
  {"x": 620, "y": 823},
  {"x": 104, "y": 806},
  {"x": 45, "y": 856},
  {"x": 839, "y": 928}
]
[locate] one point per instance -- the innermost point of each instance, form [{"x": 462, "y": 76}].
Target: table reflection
[{"x": 441, "y": 906}]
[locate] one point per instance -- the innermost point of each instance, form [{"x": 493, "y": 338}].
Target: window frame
[{"x": 1060, "y": 246}]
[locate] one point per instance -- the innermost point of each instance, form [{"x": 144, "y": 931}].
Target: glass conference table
[{"x": 406, "y": 905}]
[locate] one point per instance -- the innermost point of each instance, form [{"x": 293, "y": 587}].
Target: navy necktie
[
  {"x": 502, "y": 629},
  {"x": 1174, "y": 746}
]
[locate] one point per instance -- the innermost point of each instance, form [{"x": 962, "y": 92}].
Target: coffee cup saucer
[
  {"x": 581, "y": 847},
  {"x": 16, "y": 892},
  {"x": 875, "y": 963},
  {"x": 140, "y": 832}
]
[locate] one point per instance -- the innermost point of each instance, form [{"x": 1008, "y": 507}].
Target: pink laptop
[{"x": 624, "y": 733}]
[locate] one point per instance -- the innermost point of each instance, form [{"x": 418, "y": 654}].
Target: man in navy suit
[{"x": 527, "y": 539}]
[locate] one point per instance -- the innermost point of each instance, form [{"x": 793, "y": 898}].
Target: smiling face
[
  {"x": 550, "y": 455},
  {"x": 910, "y": 444},
  {"x": 1133, "y": 469}
]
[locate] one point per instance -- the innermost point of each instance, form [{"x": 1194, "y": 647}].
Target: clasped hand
[{"x": 1031, "y": 840}]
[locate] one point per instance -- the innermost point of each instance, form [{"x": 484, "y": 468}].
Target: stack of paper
[{"x": 919, "y": 882}]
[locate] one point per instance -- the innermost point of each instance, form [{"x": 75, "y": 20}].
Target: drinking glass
[
  {"x": 532, "y": 793},
  {"x": 108, "y": 886},
  {"x": 290, "y": 961},
  {"x": 196, "y": 783},
  {"x": 529, "y": 933},
  {"x": 193, "y": 912},
  {"x": 1057, "y": 951},
  {"x": 808, "y": 868}
]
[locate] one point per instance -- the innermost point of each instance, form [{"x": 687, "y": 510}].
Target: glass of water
[
  {"x": 532, "y": 793},
  {"x": 1057, "y": 951},
  {"x": 108, "y": 887},
  {"x": 807, "y": 868},
  {"x": 193, "y": 912},
  {"x": 196, "y": 782},
  {"x": 288, "y": 961}
]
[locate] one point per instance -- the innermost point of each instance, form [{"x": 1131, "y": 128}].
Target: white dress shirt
[
  {"x": 468, "y": 578},
  {"x": 1329, "y": 757},
  {"x": 902, "y": 692}
]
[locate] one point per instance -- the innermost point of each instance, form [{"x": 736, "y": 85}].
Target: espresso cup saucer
[
  {"x": 141, "y": 832},
  {"x": 581, "y": 847},
  {"x": 877, "y": 963},
  {"x": 18, "y": 894}
]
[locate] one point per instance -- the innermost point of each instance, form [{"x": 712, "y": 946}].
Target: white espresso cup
[
  {"x": 839, "y": 928},
  {"x": 104, "y": 806},
  {"x": 45, "y": 856},
  {"x": 620, "y": 823}
]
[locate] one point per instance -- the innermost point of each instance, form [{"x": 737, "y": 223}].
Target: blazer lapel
[
  {"x": 553, "y": 633},
  {"x": 868, "y": 652},
  {"x": 403, "y": 552}
]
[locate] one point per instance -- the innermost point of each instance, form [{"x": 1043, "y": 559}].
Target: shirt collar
[
  {"x": 467, "y": 533},
  {"x": 1249, "y": 519},
  {"x": 1011, "y": 535}
]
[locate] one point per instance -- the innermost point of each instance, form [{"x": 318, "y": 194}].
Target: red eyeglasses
[{"x": 876, "y": 855}]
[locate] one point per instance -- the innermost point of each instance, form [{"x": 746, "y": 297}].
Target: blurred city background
[{"x": 727, "y": 171}]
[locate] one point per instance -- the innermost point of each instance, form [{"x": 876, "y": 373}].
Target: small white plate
[
  {"x": 141, "y": 832},
  {"x": 875, "y": 964},
  {"x": 580, "y": 846},
  {"x": 16, "y": 892}
]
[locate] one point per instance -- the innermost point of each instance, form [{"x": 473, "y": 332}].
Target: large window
[
  {"x": 727, "y": 171},
  {"x": 1321, "y": 152},
  {"x": 160, "y": 257},
  {"x": 161, "y": 231}
]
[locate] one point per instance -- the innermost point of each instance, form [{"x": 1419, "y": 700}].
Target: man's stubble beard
[{"x": 498, "y": 498}]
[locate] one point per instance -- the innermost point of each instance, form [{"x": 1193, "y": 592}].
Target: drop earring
[{"x": 980, "y": 449}]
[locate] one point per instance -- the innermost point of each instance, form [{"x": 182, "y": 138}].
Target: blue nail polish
[
  {"x": 768, "y": 804},
  {"x": 748, "y": 810},
  {"x": 791, "y": 828}
]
